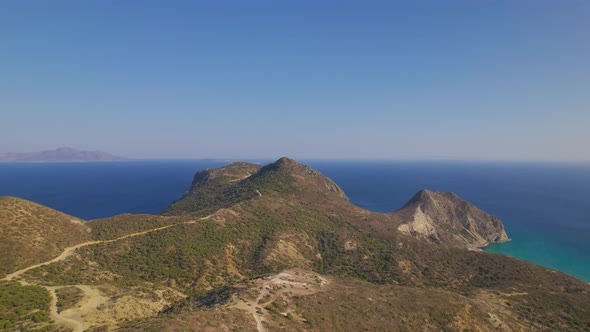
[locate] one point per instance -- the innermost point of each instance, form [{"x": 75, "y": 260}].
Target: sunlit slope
[{"x": 31, "y": 233}]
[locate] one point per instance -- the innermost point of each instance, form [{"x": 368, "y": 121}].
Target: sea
[{"x": 545, "y": 207}]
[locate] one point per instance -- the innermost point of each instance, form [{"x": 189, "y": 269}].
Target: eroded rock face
[
  {"x": 421, "y": 226},
  {"x": 446, "y": 218}
]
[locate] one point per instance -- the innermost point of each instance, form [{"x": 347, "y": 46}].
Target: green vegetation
[
  {"x": 67, "y": 297},
  {"x": 183, "y": 253},
  {"x": 372, "y": 260},
  {"x": 214, "y": 189},
  {"x": 211, "y": 190},
  {"x": 204, "y": 254},
  {"x": 71, "y": 271},
  {"x": 261, "y": 221},
  {"x": 23, "y": 307},
  {"x": 124, "y": 224}
]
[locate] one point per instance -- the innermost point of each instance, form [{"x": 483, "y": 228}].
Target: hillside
[
  {"x": 212, "y": 189},
  {"x": 31, "y": 233},
  {"x": 59, "y": 155},
  {"x": 280, "y": 247}
]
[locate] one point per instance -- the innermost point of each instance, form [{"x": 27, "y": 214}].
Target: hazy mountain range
[{"x": 64, "y": 154}]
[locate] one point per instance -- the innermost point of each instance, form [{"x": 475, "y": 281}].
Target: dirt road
[
  {"x": 74, "y": 318},
  {"x": 291, "y": 282}
]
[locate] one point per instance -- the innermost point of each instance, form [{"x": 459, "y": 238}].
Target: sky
[{"x": 440, "y": 79}]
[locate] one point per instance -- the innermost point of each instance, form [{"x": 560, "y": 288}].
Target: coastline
[
  {"x": 530, "y": 219},
  {"x": 487, "y": 244}
]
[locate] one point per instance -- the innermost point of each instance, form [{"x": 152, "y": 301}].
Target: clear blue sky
[{"x": 456, "y": 79}]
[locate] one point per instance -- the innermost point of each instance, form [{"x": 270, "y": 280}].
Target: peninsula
[{"x": 275, "y": 247}]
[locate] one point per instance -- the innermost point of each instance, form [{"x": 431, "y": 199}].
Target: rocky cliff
[{"x": 444, "y": 217}]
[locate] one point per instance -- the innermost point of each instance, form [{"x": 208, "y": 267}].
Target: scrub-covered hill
[{"x": 280, "y": 246}]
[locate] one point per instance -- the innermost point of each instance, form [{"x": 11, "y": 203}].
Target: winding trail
[
  {"x": 75, "y": 325},
  {"x": 65, "y": 254},
  {"x": 76, "y": 322},
  {"x": 297, "y": 282},
  {"x": 250, "y": 306}
]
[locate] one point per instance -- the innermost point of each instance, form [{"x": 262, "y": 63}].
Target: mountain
[
  {"x": 59, "y": 155},
  {"x": 444, "y": 217},
  {"x": 212, "y": 188},
  {"x": 223, "y": 187},
  {"x": 280, "y": 247}
]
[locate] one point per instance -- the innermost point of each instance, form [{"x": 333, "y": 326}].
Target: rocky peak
[
  {"x": 231, "y": 173},
  {"x": 222, "y": 187},
  {"x": 304, "y": 178},
  {"x": 446, "y": 218},
  {"x": 287, "y": 165},
  {"x": 286, "y": 161}
]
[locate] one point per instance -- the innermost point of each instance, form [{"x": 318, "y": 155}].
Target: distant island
[{"x": 64, "y": 154}]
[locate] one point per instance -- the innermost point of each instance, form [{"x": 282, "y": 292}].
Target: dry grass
[{"x": 31, "y": 233}]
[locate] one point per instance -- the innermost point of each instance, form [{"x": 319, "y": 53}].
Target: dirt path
[
  {"x": 73, "y": 324},
  {"x": 92, "y": 299},
  {"x": 292, "y": 282},
  {"x": 250, "y": 306},
  {"x": 67, "y": 252},
  {"x": 70, "y": 250},
  {"x": 74, "y": 318}
]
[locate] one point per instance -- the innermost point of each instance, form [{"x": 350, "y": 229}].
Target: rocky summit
[
  {"x": 444, "y": 217},
  {"x": 276, "y": 247}
]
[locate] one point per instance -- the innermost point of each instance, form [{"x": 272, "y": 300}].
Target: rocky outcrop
[{"x": 444, "y": 217}]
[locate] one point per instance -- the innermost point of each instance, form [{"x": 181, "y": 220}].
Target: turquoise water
[
  {"x": 561, "y": 249},
  {"x": 545, "y": 207}
]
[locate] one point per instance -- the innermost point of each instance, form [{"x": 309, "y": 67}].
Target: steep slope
[
  {"x": 31, "y": 233},
  {"x": 294, "y": 176},
  {"x": 444, "y": 217},
  {"x": 213, "y": 188}
]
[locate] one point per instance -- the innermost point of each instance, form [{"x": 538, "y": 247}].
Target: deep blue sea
[{"x": 545, "y": 207}]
